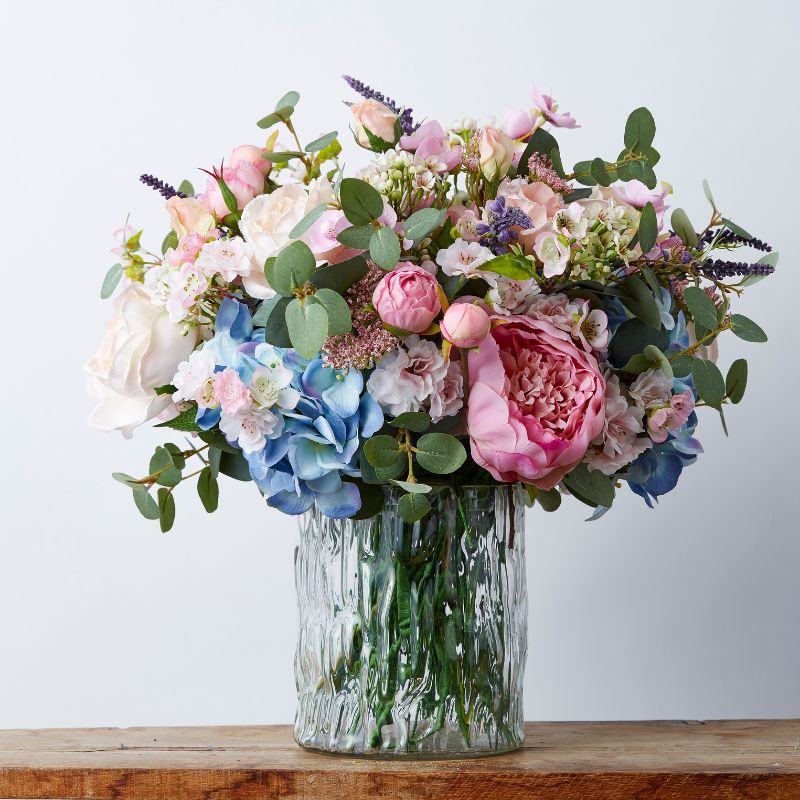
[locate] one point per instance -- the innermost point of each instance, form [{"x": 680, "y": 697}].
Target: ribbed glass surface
[{"x": 412, "y": 637}]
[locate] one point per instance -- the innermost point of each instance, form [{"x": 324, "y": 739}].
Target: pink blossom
[
  {"x": 465, "y": 221},
  {"x": 518, "y": 123},
  {"x": 670, "y": 418},
  {"x": 438, "y": 154},
  {"x": 553, "y": 308},
  {"x": 189, "y": 245},
  {"x": 231, "y": 258},
  {"x": 537, "y": 200},
  {"x": 549, "y": 109},
  {"x": 651, "y": 388},
  {"x": 447, "y": 397},
  {"x": 428, "y": 130},
  {"x": 407, "y": 298},
  {"x": 185, "y": 287},
  {"x": 508, "y": 296},
  {"x": 495, "y": 153},
  {"x": 590, "y": 326},
  {"x": 321, "y": 236},
  {"x": 231, "y": 392},
  {"x": 619, "y": 442},
  {"x": 465, "y": 325},
  {"x": 536, "y": 402},
  {"x": 245, "y": 181},
  {"x": 636, "y": 194},
  {"x": 552, "y": 252}
]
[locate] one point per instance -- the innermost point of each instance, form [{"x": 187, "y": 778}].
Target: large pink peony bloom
[{"x": 536, "y": 401}]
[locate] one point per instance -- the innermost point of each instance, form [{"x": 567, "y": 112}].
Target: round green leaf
[
  {"x": 308, "y": 220},
  {"x": 440, "y": 453},
  {"x": 511, "y": 265},
  {"x": 293, "y": 267},
  {"x": 382, "y": 451},
  {"x": 640, "y": 130},
  {"x": 322, "y": 142},
  {"x": 291, "y": 98},
  {"x": 631, "y": 339},
  {"x": 417, "y": 421},
  {"x": 208, "y": 489},
  {"x": 413, "y": 507},
  {"x": 413, "y": 488},
  {"x": 590, "y": 486},
  {"x": 658, "y": 359},
  {"x": 746, "y": 329},
  {"x": 639, "y": 300},
  {"x": 682, "y": 366},
  {"x": 423, "y": 222},
  {"x": 709, "y": 382},
  {"x": 340, "y": 277},
  {"x": 361, "y": 202},
  {"x": 280, "y": 115},
  {"x": 384, "y": 248},
  {"x": 684, "y": 228},
  {"x": 144, "y": 501},
  {"x": 702, "y": 309},
  {"x": 357, "y": 237},
  {"x": 307, "y": 323},
  {"x": 736, "y": 380},
  {"x": 549, "y": 500},
  {"x": 166, "y": 509},
  {"x": 339, "y": 319}
]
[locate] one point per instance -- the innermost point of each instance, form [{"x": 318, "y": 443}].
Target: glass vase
[{"x": 412, "y": 636}]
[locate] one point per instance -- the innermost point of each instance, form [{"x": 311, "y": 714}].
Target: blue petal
[
  {"x": 292, "y": 502},
  {"x": 343, "y": 395},
  {"x": 207, "y": 418},
  {"x": 327, "y": 484},
  {"x": 317, "y": 378},
  {"x": 340, "y": 504},
  {"x": 370, "y": 416}
]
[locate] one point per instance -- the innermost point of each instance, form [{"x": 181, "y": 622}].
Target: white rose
[
  {"x": 141, "y": 349},
  {"x": 267, "y": 221}
]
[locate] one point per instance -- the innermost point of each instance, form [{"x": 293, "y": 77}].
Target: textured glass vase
[{"x": 412, "y": 637}]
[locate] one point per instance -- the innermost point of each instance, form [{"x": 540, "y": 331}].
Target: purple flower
[{"x": 498, "y": 229}]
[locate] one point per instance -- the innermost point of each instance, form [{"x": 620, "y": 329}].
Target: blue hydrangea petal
[
  {"x": 292, "y": 502},
  {"x": 341, "y": 504},
  {"x": 370, "y": 416},
  {"x": 207, "y": 418}
]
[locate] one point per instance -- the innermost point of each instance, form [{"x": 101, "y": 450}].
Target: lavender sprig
[
  {"x": 406, "y": 121},
  {"x": 498, "y": 232},
  {"x": 728, "y": 237},
  {"x": 719, "y": 269},
  {"x": 164, "y": 189}
]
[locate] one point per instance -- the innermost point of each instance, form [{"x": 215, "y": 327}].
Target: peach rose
[
  {"x": 189, "y": 215},
  {"x": 537, "y": 200},
  {"x": 496, "y": 153},
  {"x": 378, "y": 118}
]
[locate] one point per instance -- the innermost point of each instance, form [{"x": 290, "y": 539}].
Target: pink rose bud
[
  {"x": 465, "y": 325},
  {"x": 253, "y": 155},
  {"x": 496, "y": 152},
  {"x": 376, "y": 117},
  {"x": 407, "y": 298}
]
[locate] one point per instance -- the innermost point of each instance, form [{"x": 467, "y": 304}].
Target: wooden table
[{"x": 566, "y": 760}]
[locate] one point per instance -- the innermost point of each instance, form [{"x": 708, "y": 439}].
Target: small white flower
[
  {"x": 508, "y": 296},
  {"x": 193, "y": 378},
  {"x": 230, "y": 258},
  {"x": 569, "y": 222},
  {"x": 251, "y": 428},
  {"x": 463, "y": 258}
]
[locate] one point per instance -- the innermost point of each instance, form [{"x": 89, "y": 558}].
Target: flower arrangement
[{"x": 463, "y": 310}]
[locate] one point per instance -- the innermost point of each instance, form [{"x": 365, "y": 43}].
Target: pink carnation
[{"x": 536, "y": 402}]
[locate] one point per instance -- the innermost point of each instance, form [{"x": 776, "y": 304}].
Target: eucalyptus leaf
[
  {"x": 186, "y": 188},
  {"x": 638, "y": 299},
  {"x": 549, "y": 500},
  {"x": 599, "y": 172},
  {"x": 648, "y": 228},
  {"x": 322, "y": 142},
  {"x": 292, "y": 268},
  {"x": 282, "y": 156},
  {"x": 702, "y": 309},
  {"x": 413, "y": 488},
  {"x": 658, "y": 359},
  {"x": 356, "y": 237},
  {"x": 384, "y": 248},
  {"x": 746, "y": 329},
  {"x": 709, "y": 195},
  {"x": 281, "y": 115},
  {"x": 543, "y": 142},
  {"x": 640, "y": 130},
  {"x": 307, "y": 324},
  {"x": 632, "y": 337},
  {"x": 590, "y": 485},
  {"x": 736, "y": 380},
  {"x": 382, "y": 451},
  {"x": 416, "y": 421},
  {"x": 709, "y": 382},
  {"x": 166, "y": 509},
  {"x": 144, "y": 501},
  {"x": 440, "y": 453},
  {"x": 275, "y": 330},
  {"x": 208, "y": 489},
  {"x": 423, "y": 222},
  {"x": 110, "y": 281},
  {"x": 682, "y": 366},
  {"x": 339, "y": 319},
  {"x": 235, "y": 466},
  {"x": 308, "y": 220},
  {"x": 737, "y": 229},
  {"x": 361, "y": 202},
  {"x": 683, "y": 227},
  {"x": 291, "y": 98},
  {"x": 340, "y": 277},
  {"x": 413, "y": 507},
  {"x": 170, "y": 240}
]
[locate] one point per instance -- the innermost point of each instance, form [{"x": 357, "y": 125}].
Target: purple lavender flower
[
  {"x": 498, "y": 232},
  {"x": 164, "y": 189},
  {"x": 406, "y": 122},
  {"x": 718, "y": 269}
]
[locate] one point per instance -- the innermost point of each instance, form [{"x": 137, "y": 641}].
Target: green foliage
[
  {"x": 208, "y": 489},
  {"x": 413, "y": 507},
  {"x": 640, "y": 130},
  {"x": 684, "y": 228},
  {"x": 170, "y": 240},
  {"x": 340, "y": 277},
  {"x": 709, "y": 195},
  {"x": 540, "y": 142},
  {"x": 638, "y": 299},
  {"x": 291, "y": 98},
  {"x": 217, "y": 441},
  {"x": 598, "y": 170},
  {"x": 307, "y": 323},
  {"x": 631, "y": 339},
  {"x": 166, "y": 509},
  {"x": 274, "y": 323},
  {"x": 736, "y": 381},
  {"x": 322, "y": 142},
  {"x": 384, "y": 248},
  {"x": 440, "y": 453},
  {"x": 283, "y": 110},
  {"x": 282, "y": 156},
  {"x": 382, "y": 451},
  {"x": 746, "y": 329},
  {"x": 292, "y": 268},
  {"x": 708, "y": 382},
  {"x": 361, "y": 202},
  {"x": 235, "y": 466},
  {"x": 308, "y": 220},
  {"x": 549, "y": 500},
  {"x": 702, "y": 309},
  {"x": 423, "y": 222},
  {"x": 145, "y": 503},
  {"x": 511, "y": 265},
  {"x": 185, "y": 421},
  {"x": 648, "y": 228},
  {"x": 358, "y": 237},
  {"x": 682, "y": 366},
  {"x": 737, "y": 229},
  {"x": 337, "y": 310},
  {"x": 163, "y": 467},
  {"x": 110, "y": 281},
  {"x": 590, "y": 486},
  {"x": 413, "y": 487},
  {"x": 186, "y": 187},
  {"x": 417, "y": 421}
]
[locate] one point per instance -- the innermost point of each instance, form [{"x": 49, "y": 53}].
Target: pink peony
[
  {"x": 407, "y": 298},
  {"x": 465, "y": 325},
  {"x": 536, "y": 402}
]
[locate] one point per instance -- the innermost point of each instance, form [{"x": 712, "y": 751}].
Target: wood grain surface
[{"x": 750, "y": 759}]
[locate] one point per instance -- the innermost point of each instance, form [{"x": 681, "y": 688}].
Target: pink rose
[
  {"x": 245, "y": 181},
  {"x": 537, "y": 200},
  {"x": 189, "y": 215},
  {"x": 251, "y": 154},
  {"x": 407, "y": 298},
  {"x": 465, "y": 325},
  {"x": 536, "y": 402},
  {"x": 376, "y": 117},
  {"x": 495, "y": 153}
]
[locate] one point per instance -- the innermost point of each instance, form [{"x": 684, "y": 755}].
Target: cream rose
[
  {"x": 189, "y": 215},
  {"x": 141, "y": 349},
  {"x": 267, "y": 221},
  {"x": 496, "y": 152},
  {"x": 377, "y": 118}
]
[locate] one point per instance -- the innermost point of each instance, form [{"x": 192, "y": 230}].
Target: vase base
[{"x": 414, "y": 755}]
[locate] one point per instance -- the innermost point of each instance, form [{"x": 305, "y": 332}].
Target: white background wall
[{"x": 690, "y": 611}]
